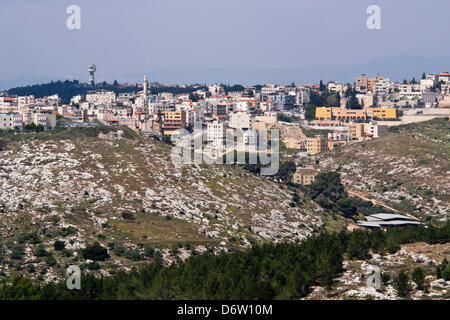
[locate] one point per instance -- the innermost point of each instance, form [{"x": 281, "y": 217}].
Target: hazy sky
[{"x": 212, "y": 40}]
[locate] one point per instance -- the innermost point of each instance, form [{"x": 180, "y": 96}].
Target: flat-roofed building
[
  {"x": 304, "y": 176},
  {"x": 373, "y": 128},
  {"x": 351, "y": 114},
  {"x": 316, "y": 145},
  {"x": 10, "y": 121},
  {"x": 356, "y": 130},
  {"x": 173, "y": 121},
  {"x": 382, "y": 113}
]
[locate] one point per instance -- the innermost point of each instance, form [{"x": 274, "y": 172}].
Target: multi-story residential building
[
  {"x": 444, "y": 77},
  {"x": 269, "y": 89},
  {"x": 334, "y": 87},
  {"x": 10, "y": 121},
  {"x": 192, "y": 116},
  {"x": 304, "y": 176},
  {"x": 339, "y": 135},
  {"x": 270, "y": 119},
  {"x": 316, "y": 145},
  {"x": 45, "y": 118},
  {"x": 426, "y": 84},
  {"x": 366, "y": 100},
  {"x": 216, "y": 134},
  {"x": 101, "y": 98},
  {"x": 381, "y": 85},
  {"x": 376, "y": 130},
  {"x": 362, "y": 82},
  {"x": 173, "y": 121},
  {"x": 356, "y": 130},
  {"x": 303, "y": 97}
]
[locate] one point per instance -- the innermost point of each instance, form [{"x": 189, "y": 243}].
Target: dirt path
[{"x": 364, "y": 196}]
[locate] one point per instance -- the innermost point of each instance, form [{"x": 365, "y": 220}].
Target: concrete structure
[
  {"x": 375, "y": 129},
  {"x": 45, "y": 118},
  {"x": 385, "y": 220},
  {"x": 362, "y": 82},
  {"x": 339, "y": 135},
  {"x": 304, "y": 176},
  {"x": 10, "y": 121},
  {"x": 316, "y": 145},
  {"x": 216, "y": 134},
  {"x": 101, "y": 98},
  {"x": 173, "y": 121},
  {"x": 240, "y": 120},
  {"x": 91, "y": 69},
  {"x": 356, "y": 130},
  {"x": 381, "y": 113}
]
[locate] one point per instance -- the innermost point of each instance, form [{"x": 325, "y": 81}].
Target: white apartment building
[
  {"x": 216, "y": 134},
  {"x": 216, "y": 90},
  {"x": 340, "y": 136},
  {"x": 242, "y": 106},
  {"x": 269, "y": 89},
  {"x": 426, "y": 84},
  {"x": 381, "y": 85},
  {"x": 240, "y": 120},
  {"x": 193, "y": 115},
  {"x": 302, "y": 97},
  {"x": 45, "y": 118},
  {"x": 376, "y": 130},
  {"x": 334, "y": 87},
  {"x": 10, "y": 121},
  {"x": 101, "y": 98}
]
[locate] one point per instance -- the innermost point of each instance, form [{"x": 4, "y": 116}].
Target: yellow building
[
  {"x": 304, "y": 176},
  {"x": 327, "y": 113},
  {"x": 382, "y": 113},
  {"x": 316, "y": 145},
  {"x": 351, "y": 114},
  {"x": 323, "y": 113}
]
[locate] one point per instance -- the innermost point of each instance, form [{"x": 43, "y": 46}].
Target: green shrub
[
  {"x": 401, "y": 284},
  {"x": 40, "y": 251},
  {"x": 418, "y": 276},
  {"x": 95, "y": 252},
  {"x": 59, "y": 245},
  {"x": 128, "y": 215}
]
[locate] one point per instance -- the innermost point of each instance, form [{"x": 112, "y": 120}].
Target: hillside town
[
  {"x": 358, "y": 111},
  {"x": 118, "y": 181},
  {"x": 334, "y": 114}
]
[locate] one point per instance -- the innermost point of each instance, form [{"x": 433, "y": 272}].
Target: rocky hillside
[
  {"x": 352, "y": 284},
  {"x": 409, "y": 170},
  {"x": 81, "y": 186}
]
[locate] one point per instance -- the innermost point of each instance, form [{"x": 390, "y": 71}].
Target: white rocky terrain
[
  {"x": 409, "y": 170},
  {"x": 82, "y": 183},
  {"x": 352, "y": 284}
]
